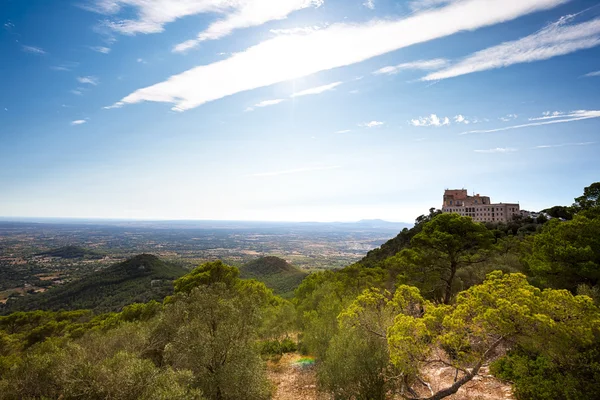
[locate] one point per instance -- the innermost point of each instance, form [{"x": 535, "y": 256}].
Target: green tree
[
  {"x": 566, "y": 254},
  {"x": 504, "y": 311},
  {"x": 446, "y": 244},
  {"x": 590, "y": 198}
]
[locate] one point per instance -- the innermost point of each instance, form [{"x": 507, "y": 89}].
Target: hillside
[
  {"x": 71, "y": 252},
  {"x": 274, "y": 272},
  {"x": 139, "y": 279}
]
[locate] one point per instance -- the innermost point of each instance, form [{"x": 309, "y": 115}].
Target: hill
[
  {"x": 139, "y": 279},
  {"x": 71, "y": 252},
  {"x": 274, "y": 272}
]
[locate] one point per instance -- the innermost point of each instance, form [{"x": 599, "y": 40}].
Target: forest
[{"x": 521, "y": 299}]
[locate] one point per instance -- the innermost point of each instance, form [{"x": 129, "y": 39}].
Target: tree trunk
[{"x": 448, "y": 291}]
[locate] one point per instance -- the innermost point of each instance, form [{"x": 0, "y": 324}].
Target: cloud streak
[
  {"x": 497, "y": 150},
  {"x": 90, "y": 80},
  {"x": 579, "y": 115},
  {"x": 245, "y": 14},
  {"x": 317, "y": 90},
  {"x": 552, "y": 146},
  {"x": 288, "y": 57},
  {"x": 421, "y": 65},
  {"x": 33, "y": 50},
  {"x": 554, "y": 40},
  {"x": 265, "y": 103},
  {"x": 78, "y": 122},
  {"x": 592, "y": 74}
]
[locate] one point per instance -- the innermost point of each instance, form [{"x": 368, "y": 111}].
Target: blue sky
[{"x": 301, "y": 110}]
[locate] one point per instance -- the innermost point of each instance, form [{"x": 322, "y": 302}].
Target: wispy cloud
[
  {"x": 33, "y": 50},
  {"x": 77, "y": 92},
  {"x": 508, "y": 117},
  {"x": 421, "y": 65},
  {"x": 344, "y": 131},
  {"x": 69, "y": 66},
  {"x": 369, "y": 4},
  {"x": 91, "y": 80},
  {"x": 551, "y": 146},
  {"x": 548, "y": 115},
  {"x": 432, "y": 120},
  {"x": 78, "y": 122},
  {"x": 497, "y": 150},
  {"x": 592, "y": 74},
  {"x": 570, "y": 117},
  {"x": 296, "y": 171},
  {"x": 100, "y": 49},
  {"x": 288, "y": 57},
  {"x": 245, "y": 14},
  {"x": 317, "y": 90},
  {"x": 554, "y": 40},
  {"x": 372, "y": 124},
  {"x": 265, "y": 103}
]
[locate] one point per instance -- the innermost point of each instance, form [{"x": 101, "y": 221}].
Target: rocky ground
[{"x": 295, "y": 382}]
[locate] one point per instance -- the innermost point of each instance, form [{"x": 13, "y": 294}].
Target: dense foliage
[
  {"x": 449, "y": 293},
  {"x": 137, "y": 280},
  {"x": 274, "y": 272}
]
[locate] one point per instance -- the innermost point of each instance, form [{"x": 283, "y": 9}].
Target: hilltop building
[{"x": 478, "y": 207}]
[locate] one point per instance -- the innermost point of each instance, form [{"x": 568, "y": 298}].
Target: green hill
[
  {"x": 274, "y": 272},
  {"x": 71, "y": 252},
  {"x": 139, "y": 279}
]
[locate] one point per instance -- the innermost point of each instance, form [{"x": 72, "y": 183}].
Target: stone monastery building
[{"x": 480, "y": 208}]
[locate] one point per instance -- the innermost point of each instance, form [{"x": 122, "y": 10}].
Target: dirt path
[{"x": 296, "y": 382}]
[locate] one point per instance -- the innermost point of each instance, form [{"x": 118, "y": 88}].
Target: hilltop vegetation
[
  {"x": 139, "y": 279},
  {"x": 69, "y": 252},
  {"x": 449, "y": 293},
  {"x": 275, "y": 273}
]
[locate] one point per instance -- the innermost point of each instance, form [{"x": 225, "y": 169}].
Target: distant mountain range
[{"x": 372, "y": 224}]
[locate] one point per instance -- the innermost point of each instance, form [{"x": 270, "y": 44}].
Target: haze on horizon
[{"x": 294, "y": 110}]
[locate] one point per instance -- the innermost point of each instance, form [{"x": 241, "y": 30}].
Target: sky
[{"x": 294, "y": 110}]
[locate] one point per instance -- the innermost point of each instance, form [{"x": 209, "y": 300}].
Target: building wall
[{"x": 480, "y": 208}]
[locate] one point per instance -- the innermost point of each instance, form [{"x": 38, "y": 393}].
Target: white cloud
[
  {"x": 554, "y": 40},
  {"x": 265, "y": 103},
  {"x": 288, "y": 57},
  {"x": 152, "y": 15},
  {"x": 33, "y": 50},
  {"x": 344, "y": 131},
  {"x": 296, "y": 171},
  {"x": 422, "y": 65},
  {"x": 294, "y": 31},
  {"x": 245, "y": 14},
  {"x": 369, "y": 4},
  {"x": 548, "y": 115},
  {"x": 432, "y": 120},
  {"x": 551, "y": 146},
  {"x": 91, "y": 80},
  {"x": 101, "y": 49},
  {"x": 78, "y": 122},
  {"x": 461, "y": 119},
  {"x": 372, "y": 124},
  {"x": 497, "y": 150},
  {"x": 77, "y": 92},
  {"x": 573, "y": 116},
  {"x": 317, "y": 90},
  {"x": 592, "y": 74},
  {"x": 508, "y": 117},
  {"x": 68, "y": 66}
]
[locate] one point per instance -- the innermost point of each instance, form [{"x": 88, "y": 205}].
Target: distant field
[{"x": 35, "y": 255}]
